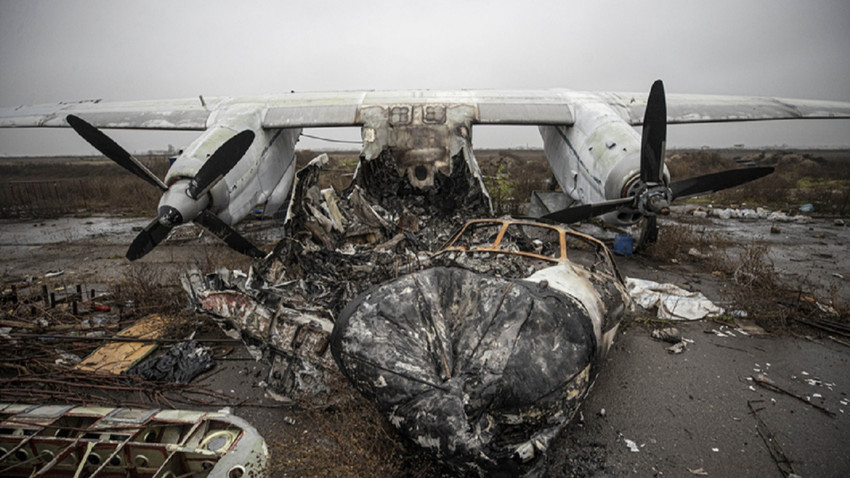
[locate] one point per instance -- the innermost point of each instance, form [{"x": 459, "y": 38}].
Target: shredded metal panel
[{"x": 103, "y": 442}]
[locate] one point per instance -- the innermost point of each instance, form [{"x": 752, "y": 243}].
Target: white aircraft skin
[
  {"x": 597, "y": 158},
  {"x": 262, "y": 177}
]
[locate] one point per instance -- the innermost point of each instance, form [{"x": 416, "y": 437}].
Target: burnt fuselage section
[{"x": 484, "y": 362}]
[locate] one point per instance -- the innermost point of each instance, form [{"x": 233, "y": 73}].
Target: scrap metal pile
[
  {"x": 479, "y": 354},
  {"x": 335, "y": 246}
]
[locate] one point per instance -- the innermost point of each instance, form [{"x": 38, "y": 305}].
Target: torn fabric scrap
[{"x": 673, "y": 302}]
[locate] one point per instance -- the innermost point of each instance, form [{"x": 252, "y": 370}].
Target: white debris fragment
[
  {"x": 752, "y": 388},
  {"x": 673, "y": 302},
  {"x": 4, "y": 334},
  {"x": 715, "y": 450},
  {"x": 632, "y": 445}
]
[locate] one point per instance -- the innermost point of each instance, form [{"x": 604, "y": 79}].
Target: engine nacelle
[{"x": 597, "y": 158}]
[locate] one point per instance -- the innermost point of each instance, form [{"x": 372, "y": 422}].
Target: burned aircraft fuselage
[
  {"x": 483, "y": 358},
  {"x": 480, "y": 353}
]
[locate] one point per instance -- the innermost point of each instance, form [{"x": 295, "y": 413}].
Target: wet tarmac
[
  {"x": 664, "y": 415},
  {"x": 652, "y": 413}
]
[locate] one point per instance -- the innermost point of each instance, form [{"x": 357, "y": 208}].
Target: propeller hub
[
  {"x": 169, "y": 216},
  {"x": 654, "y": 199},
  {"x": 176, "y": 207},
  {"x": 659, "y": 203}
]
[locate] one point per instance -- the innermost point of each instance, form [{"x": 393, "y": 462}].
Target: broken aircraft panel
[
  {"x": 106, "y": 442},
  {"x": 482, "y": 363},
  {"x": 294, "y": 341}
]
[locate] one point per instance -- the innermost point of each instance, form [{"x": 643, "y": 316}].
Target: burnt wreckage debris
[
  {"x": 483, "y": 358},
  {"x": 480, "y": 370},
  {"x": 479, "y": 354},
  {"x": 336, "y": 246}
]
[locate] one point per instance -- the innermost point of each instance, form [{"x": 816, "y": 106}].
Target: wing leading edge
[
  {"x": 350, "y": 108},
  {"x": 690, "y": 108}
]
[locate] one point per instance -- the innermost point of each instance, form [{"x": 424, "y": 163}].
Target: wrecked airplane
[
  {"x": 479, "y": 353},
  {"x": 244, "y": 156}
]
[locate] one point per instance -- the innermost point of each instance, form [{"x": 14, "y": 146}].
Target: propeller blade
[
  {"x": 113, "y": 151},
  {"x": 649, "y": 232},
  {"x": 717, "y": 181},
  {"x": 654, "y": 135},
  {"x": 153, "y": 234},
  {"x": 220, "y": 163},
  {"x": 586, "y": 211},
  {"x": 236, "y": 241}
]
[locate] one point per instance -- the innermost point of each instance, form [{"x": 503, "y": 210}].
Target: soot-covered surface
[{"x": 481, "y": 371}]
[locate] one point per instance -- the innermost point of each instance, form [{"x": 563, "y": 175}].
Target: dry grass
[
  {"x": 56, "y": 188},
  {"x": 757, "y": 289},
  {"x": 819, "y": 178},
  {"x": 349, "y": 438},
  {"x": 684, "y": 243},
  {"x": 754, "y": 284},
  {"x": 511, "y": 177}
]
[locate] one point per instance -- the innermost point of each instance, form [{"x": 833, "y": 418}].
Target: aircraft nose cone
[{"x": 169, "y": 216}]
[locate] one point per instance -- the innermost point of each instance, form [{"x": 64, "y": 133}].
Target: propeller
[
  {"x": 236, "y": 241},
  {"x": 221, "y": 161},
  {"x": 113, "y": 151},
  {"x": 185, "y": 200},
  {"x": 652, "y": 196},
  {"x": 653, "y": 139},
  {"x": 717, "y": 181}
]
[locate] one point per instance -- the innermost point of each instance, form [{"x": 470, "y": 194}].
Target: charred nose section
[
  {"x": 169, "y": 216},
  {"x": 480, "y": 371}
]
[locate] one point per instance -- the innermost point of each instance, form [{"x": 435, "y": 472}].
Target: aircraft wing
[
  {"x": 346, "y": 108},
  {"x": 159, "y": 114},
  {"x": 689, "y": 108},
  {"x": 296, "y": 110}
]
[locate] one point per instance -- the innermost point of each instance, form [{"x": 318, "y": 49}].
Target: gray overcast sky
[{"x": 55, "y": 50}]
